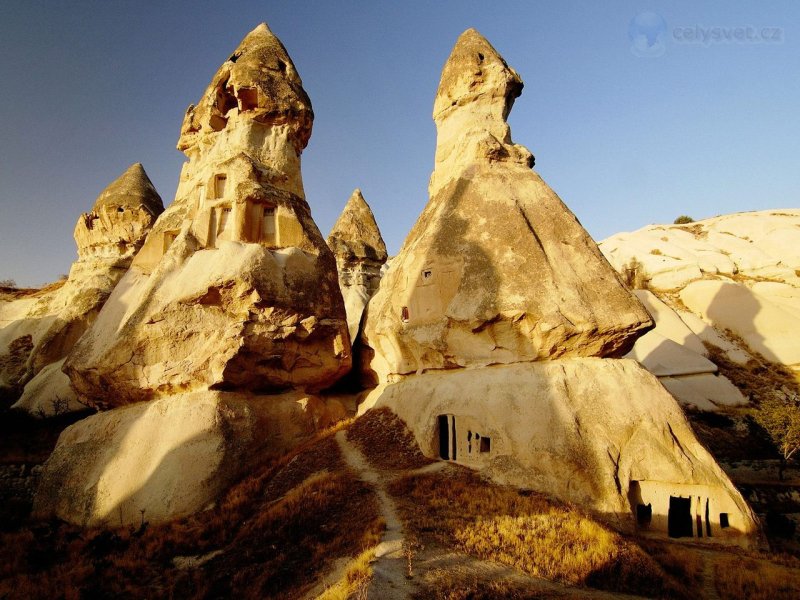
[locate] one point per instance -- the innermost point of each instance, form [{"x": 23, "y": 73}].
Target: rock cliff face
[
  {"x": 235, "y": 286},
  {"x": 360, "y": 253},
  {"x": 496, "y": 269},
  {"x": 39, "y": 331}
]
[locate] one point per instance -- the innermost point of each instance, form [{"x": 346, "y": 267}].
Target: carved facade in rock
[{"x": 235, "y": 287}]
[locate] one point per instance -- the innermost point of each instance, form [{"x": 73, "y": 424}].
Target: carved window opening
[
  {"x": 224, "y": 218},
  {"x": 724, "y": 522},
  {"x": 248, "y": 99},
  {"x": 426, "y": 275},
  {"x": 268, "y": 228},
  {"x": 404, "y": 314},
  {"x": 485, "y": 444},
  {"x": 120, "y": 209},
  {"x": 220, "y": 181}
]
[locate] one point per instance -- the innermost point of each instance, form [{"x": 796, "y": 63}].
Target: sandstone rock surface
[
  {"x": 235, "y": 287},
  {"x": 167, "y": 458},
  {"x": 360, "y": 253},
  {"x": 675, "y": 354},
  {"x": 41, "y": 329},
  {"x": 736, "y": 274},
  {"x": 762, "y": 244},
  {"x": 496, "y": 269},
  {"x": 602, "y": 433}
]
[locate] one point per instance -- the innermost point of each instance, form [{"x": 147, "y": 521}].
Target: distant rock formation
[
  {"x": 731, "y": 280},
  {"x": 495, "y": 334},
  {"x": 360, "y": 253},
  {"x": 676, "y": 355},
  {"x": 37, "y": 332},
  {"x": 227, "y": 318},
  {"x": 497, "y": 269},
  {"x": 235, "y": 287}
]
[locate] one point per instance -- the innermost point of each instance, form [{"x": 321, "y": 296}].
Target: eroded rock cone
[
  {"x": 360, "y": 253},
  {"x": 497, "y": 269},
  {"x": 235, "y": 287},
  {"x": 40, "y": 332}
]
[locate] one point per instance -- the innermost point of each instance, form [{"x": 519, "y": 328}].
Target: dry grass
[
  {"x": 443, "y": 584},
  {"x": 354, "y": 582},
  {"x": 527, "y": 532},
  {"x": 386, "y": 441},
  {"x": 746, "y": 579},
  {"x": 277, "y": 529}
]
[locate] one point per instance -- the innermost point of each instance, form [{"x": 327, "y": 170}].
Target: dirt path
[{"x": 389, "y": 579}]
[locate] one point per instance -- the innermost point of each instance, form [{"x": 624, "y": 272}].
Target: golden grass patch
[
  {"x": 528, "y": 532},
  {"x": 736, "y": 578}
]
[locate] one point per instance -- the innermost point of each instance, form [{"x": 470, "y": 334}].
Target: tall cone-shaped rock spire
[
  {"x": 235, "y": 287},
  {"x": 496, "y": 269},
  {"x": 360, "y": 253}
]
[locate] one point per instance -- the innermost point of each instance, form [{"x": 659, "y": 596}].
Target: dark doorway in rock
[
  {"x": 708, "y": 521},
  {"x": 444, "y": 437},
  {"x": 644, "y": 515},
  {"x": 679, "y": 518},
  {"x": 723, "y": 520},
  {"x": 446, "y": 425},
  {"x": 486, "y": 444}
]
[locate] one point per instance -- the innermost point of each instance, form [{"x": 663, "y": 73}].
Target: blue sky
[{"x": 698, "y": 128}]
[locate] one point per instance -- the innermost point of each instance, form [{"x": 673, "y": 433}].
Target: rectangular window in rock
[
  {"x": 724, "y": 523},
  {"x": 268, "y": 225},
  {"x": 219, "y": 185},
  {"x": 485, "y": 444}
]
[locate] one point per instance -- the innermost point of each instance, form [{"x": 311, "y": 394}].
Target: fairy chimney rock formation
[
  {"x": 360, "y": 253},
  {"x": 497, "y": 269},
  {"x": 37, "y": 335},
  {"x": 235, "y": 287},
  {"x": 120, "y": 219}
]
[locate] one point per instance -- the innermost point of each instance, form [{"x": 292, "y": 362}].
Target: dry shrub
[
  {"x": 386, "y": 441},
  {"x": 355, "y": 581},
  {"x": 529, "y": 532},
  {"x": 746, "y": 579},
  {"x": 278, "y": 529}
]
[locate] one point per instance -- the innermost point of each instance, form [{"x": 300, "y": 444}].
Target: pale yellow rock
[
  {"x": 49, "y": 393},
  {"x": 761, "y": 244},
  {"x": 663, "y": 357},
  {"x": 704, "y": 391},
  {"x": 235, "y": 287},
  {"x": 768, "y": 327},
  {"x": 708, "y": 334},
  {"x": 601, "y": 433},
  {"x": 669, "y": 323},
  {"x": 41, "y": 329},
  {"x": 360, "y": 253},
  {"x": 496, "y": 269},
  {"x": 167, "y": 458}
]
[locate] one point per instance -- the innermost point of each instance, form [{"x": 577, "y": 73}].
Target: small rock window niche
[
  {"x": 404, "y": 314},
  {"x": 219, "y": 185}
]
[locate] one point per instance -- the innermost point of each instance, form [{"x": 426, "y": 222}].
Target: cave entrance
[
  {"x": 679, "y": 518},
  {"x": 447, "y": 437}
]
